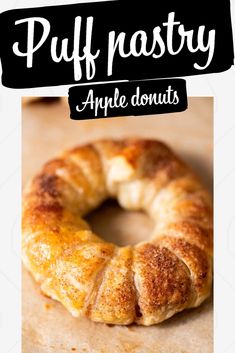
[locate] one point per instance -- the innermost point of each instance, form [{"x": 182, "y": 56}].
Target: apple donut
[{"x": 146, "y": 283}]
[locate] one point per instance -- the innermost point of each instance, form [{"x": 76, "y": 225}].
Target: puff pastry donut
[{"x": 146, "y": 283}]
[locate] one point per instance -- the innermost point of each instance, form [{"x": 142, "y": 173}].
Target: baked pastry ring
[{"x": 146, "y": 283}]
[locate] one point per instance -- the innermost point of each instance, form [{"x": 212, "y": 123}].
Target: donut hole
[{"x": 119, "y": 226}]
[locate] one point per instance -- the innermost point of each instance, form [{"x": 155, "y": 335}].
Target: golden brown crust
[
  {"x": 115, "y": 297},
  {"x": 198, "y": 263},
  {"x": 145, "y": 284},
  {"x": 163, "y": 283}
]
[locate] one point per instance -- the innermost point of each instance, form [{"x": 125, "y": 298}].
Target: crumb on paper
[{"x": 48, "y": 306}]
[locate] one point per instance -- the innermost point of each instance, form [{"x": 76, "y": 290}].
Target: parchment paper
[{"x": 47, "y": 327}]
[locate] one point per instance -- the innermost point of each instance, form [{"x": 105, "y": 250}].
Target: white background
[{"x": 222, "y": 87}]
